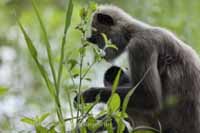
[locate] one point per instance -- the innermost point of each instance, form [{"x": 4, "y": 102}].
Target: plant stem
[
  {"x": 88, "y": 70},
  {"x": 80, "y": 84},
  {"x": 70, "y": 107},
  {"x": 57, "y": 86},
  {"x": 86, "y": 114},
  {"x": 67, "y": 24}
]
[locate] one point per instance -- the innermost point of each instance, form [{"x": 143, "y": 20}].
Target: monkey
[{"x": 162, "y": 68}]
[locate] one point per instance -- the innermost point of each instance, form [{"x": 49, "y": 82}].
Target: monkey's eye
[{"x": 105, "y": 19}]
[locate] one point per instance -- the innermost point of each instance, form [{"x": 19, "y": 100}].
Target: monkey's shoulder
[
  {"x": 156, "y": 35},
  {"x": 165, "y": 42}
]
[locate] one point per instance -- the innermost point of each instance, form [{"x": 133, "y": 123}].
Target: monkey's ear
[{"x": 105, "y": 19}]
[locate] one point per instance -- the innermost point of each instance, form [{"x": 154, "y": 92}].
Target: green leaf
[
  {"x": 104, "y": 38},
  {"x": 43, "y": 117},
  {"x": 52, "y": 130},
  {"x": 88, "y": 79},
  {"x": 41, "y": 129},
  {"x": 120, "y": 123},
  {"x": 114, "y": 102},
  {"x": 67, "y": 24},
  {"x": 68, "y": 15},
  {"x": 93, "y": 6},
  {"x": 83, "y": 13},
  {"x": 112, "y": 46},
  {"x": 82, "y": 51},
  {"x": 62, "y": 55},
  {"x": 29, "y": 43},
  {"x": 75, "y": 75},
  {"x": 33, "y": 52},
  {"x": 83, "y": 129},
  {"x": 126, "y": 100},
  {"x": 48, "y": 82},
  {"x": 28, "y": 120},
  {"x": 3, "y": 90},
  {"x": 130, "y": 93},
  {"x": 116, "y": 82},
  {"x": 108, "y": 42},
  {"x": 48, "y": 46},
  {"x": 108, "y": 125},
  {"x": 91, "y": 121},
  {"x": 97, "y": 55},
  {"x": 72, "y": 63}
]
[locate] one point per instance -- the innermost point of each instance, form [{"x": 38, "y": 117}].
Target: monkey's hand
[
  {"x": 91, "y": 95},
  {"x": 87, "y": 96}
]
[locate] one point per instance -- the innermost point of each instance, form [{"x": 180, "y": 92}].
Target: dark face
[
  {"x": 103, "y": 23},
  {"x": 97, "y": 38},
  {"x": 99, "y": 24}
]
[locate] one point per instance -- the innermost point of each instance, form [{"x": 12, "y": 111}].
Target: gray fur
[{"x": 174, "y": 73}]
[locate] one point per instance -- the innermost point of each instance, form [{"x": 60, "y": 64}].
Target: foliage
[
  {"x": 180, "y": 16},
  {"x": 3, "y": 90},
  {"x": 53, "y": 88}
]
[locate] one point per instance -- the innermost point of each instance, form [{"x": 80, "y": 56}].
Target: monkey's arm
[
  {"x": 143, "y": 58},
  {"x": 141, "y": 98}
]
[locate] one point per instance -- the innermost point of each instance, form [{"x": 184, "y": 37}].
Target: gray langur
[{"x": 169, "y": 92}]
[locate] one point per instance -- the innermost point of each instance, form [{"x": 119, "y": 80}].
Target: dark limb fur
[
  {"x": 141, "y": 98},
  {"x": 142, "y": 57}
]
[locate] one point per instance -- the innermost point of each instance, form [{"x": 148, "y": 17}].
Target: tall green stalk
[
  {"x": 48, "y": 46},
  {"x": 57, "y": 86},
  {"x": 67, "y": 24},
  {"x": 53, "y": 88}
]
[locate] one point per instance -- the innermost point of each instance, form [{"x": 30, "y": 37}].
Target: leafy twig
[{"x": 88, "y": 70}]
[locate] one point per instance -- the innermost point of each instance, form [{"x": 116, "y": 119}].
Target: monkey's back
[{"x": 179, "y": 69}]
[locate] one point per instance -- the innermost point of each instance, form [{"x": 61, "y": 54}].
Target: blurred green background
[{"x": 26, "y": 94}]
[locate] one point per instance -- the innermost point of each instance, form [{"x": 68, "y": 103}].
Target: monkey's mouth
[{"x": 97, "y": 39}]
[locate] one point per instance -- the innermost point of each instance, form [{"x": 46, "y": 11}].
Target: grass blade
[
  {"x": 48, "y": 46},
  {"x": 29, "y": 43},
  {"x": 130, "y": 93},
  {"x": 116, "y": 81},
  {"x": 27, "y": 120},
  {"x": 43, "y": 117},
  {"x": 67, "y": 24},
  {"x": 33, "y": 52}
]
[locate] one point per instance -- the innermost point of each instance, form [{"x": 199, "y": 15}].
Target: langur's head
[{"x": 112, "y": 22}]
